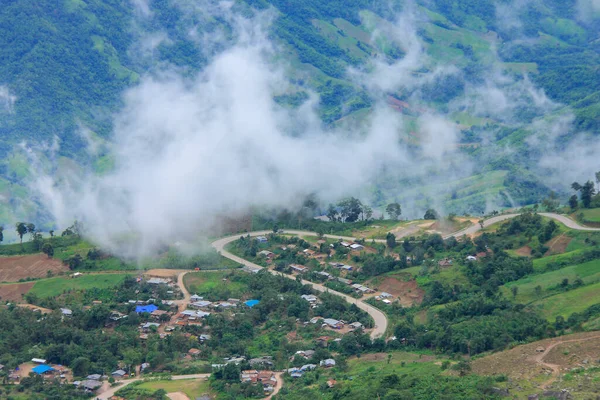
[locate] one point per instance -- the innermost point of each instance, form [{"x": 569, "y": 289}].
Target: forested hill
[{"x": 65, "y": 64}]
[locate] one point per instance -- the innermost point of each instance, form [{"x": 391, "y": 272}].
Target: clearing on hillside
[
  {"x": 540, "y": 360},
  {"x": 15, "y": 291},
  {"x": 29, "y": 266},
  {"x": 558, "y": 245},
  {"x": 407, "y": 292}
]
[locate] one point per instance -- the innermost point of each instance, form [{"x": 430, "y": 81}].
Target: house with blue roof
[
  {"x": 42, "y": 369},
  {"x": 146, "y": 309},
  {"x": 252, "y": 303}
]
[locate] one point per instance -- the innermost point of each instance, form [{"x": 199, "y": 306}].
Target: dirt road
[
  {"x": 568, "y": 222},
  {"x": 539, "y": 358},
  {"x": 379, "y": 317}
]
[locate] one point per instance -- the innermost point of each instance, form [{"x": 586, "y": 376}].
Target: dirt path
[
  {"x": 182, "y": 304},
  {"x": 539, "y": 358},
  {"x": 278, "y": 376}
]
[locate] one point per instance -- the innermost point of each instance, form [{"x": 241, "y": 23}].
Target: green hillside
[{"x": 67, "y": 64}]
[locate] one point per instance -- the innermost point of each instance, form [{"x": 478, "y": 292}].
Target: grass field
[
  {"x": 567, "y": 303},
  {"x": 589, "y": 272},
  {"x": 56, "y": 286},
  {"x": 214, "y": 283},
  {"x": 193, "y": 388},
  {"x": 591, "y": 215},
  {"x": 401, "y": 362}
]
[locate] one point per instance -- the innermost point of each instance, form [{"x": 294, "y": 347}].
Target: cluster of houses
[
  {"x": 266, "y": 378},
  {"x": 298, "y": 372},
  {"x": 384, "y": 297},
  {"x": 335, "y": 324}
]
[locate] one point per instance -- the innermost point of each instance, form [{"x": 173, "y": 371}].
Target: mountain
[{"x": 504, "y": 74}]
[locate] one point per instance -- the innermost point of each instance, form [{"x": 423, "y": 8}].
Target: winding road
[{"x": 381, "y": 322}]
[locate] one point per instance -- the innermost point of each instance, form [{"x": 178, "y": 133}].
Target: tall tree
[
  {"x": 576, "y": 186},
  {"x": 431, "y": 214},
  {"x": 21, "y": 228},
  {"x": 332, "y": 213},
  {"x": 390, "y": 240},
  {"x": 573, "y": 202},
  {"x": 367, "y": 212},
  {"x": 598, "y": 180},
  {"x": 394, "y": 210},
  {"x": 1, "y": 233},
  {"x": 48, "y": 250},
  {"x": 350, "y": 209},
  {"x": 587, "y": 192},
  {"x": 30, "y": 229}
]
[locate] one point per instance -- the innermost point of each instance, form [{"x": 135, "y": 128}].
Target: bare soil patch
[
  {"x": 405, "y": 231},
  {"x": 558, "y": 245},
  {"x": 543, "y": 359},
  {"x": 34, "y": 307},
  {"x": 177, "y": 396},
  {"x": 15, "y": 292},
  {"x": 407, "y": 292},
  {"x": 30, "y": 266},
  {"x": 524, "y": 251},
  {"x": 163, "y": 273}
]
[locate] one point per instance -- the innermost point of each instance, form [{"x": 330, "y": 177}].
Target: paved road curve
[{"x": 379, "y": 318}]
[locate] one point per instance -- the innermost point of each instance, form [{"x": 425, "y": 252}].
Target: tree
[
  {"x": 30, "y": 229},
  {"x": 576, "y": 186},
  {"x": 350, "y": 209},
  {"x": 80, "y": 366},
  {"x": 597, "y": 174},
  {"x": 431, "y": 214},
  {"x": 51, "y": 232},
  {"x": 1, "y": 233},
  {"x": 552, "y": 202},
  {"x": 48, "y": 250},
  {"x": 21, "y": 228},
  {"x": 332, "y": 213},
  {"x": 514, "y": 290},
  {"x": 481, "y": 223},
  {"x": 368, "y": 212},
  {"x": 390, "y": 240},
  {"x": 587, "y": 192},
  {"x": 463, "y": 367},
  {"x": 394, "y": 210},
  {"x": 573, "y": 202}
]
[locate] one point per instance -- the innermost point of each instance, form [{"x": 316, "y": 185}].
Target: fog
[{"x": 188, "y": 149}]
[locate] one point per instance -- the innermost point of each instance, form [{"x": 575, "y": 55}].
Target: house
[
  {"x": 266, "y": 361},
  {"x": 201, "y": 304},
  {"x": 157, "y": 281},
  {"x": 38, "y": 361},
  {"x": 308, "y": 367},
  {"x": 345, "y": 267},
  {"x": 115, "y": 315},
  {"x": 94, "y": 377},
  {"x": 225, "y": 304},
  {"x": 261, "y": 239},
  {"x": 345, "y": 244},
  {"x": 385, "y": 295},
  {"x": 148, "y": 326},
  {"x": 251, "y": 303},
  {"x": 357, "y": 247},
  {"x": 333, "y": 323},
  {"x": 119, "y": 374},
  {"x": 156, "y": 314},
  {"x": 66, "y": 312},
  {"x": 194, "y": 352},
  {"x": 195, "y": 298},
  {"x": 309, "y": 252},
  {"x": 471, "y": 258},
  {"x": 361, "y": 289},
  {"x": 249, "y": 376},
  {"x": 266, "y": 254},
  {"x": 330, "y": 362},
  {"x": 311, "y": 298},
  {"x": 325, "y": 274},
  {"x": 250, "y": 270},
  {"x": 298, "y": 268},
  {"x": 146, "y": 309},
  {"x": 356, "y": 326},
  {"x": 192, "y": 315},
  {"x": 386, "y": 301},
  {"x": 43, "y": 369},
  {"x": 314, "y": 320},
  {"x": 345, "y": 281},
  {"x": 90, "y": 385},
  {"x": 144, "y": 367},
  {"x": 76, "y": 275},
  {"x": 446, "y": 262},
  {"x": 203, "y": 338}
]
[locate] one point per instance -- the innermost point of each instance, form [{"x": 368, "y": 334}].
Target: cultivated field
[
  {"x": 407, "y": 292},
  {"x": 30, "y": 266},
  {"x": 192, "y": 388},
  {"x": 565, "y": 304},
  {"x": 15, "y": 291}
]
